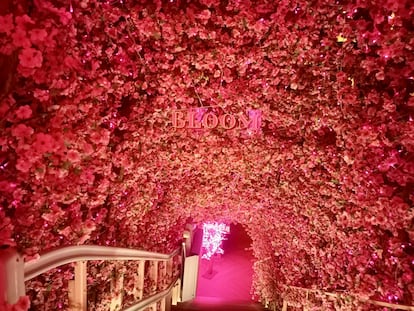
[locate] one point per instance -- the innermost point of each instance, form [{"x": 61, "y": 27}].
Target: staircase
[
  {"x": 212, "y": 304},
  {"x": 164, "y": 273}
]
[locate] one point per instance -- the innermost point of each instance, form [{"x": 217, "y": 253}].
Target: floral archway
[{"x": 89, "y": 154}]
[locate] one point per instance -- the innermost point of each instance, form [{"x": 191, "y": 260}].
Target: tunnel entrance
[{"x": 231, "y": 279}]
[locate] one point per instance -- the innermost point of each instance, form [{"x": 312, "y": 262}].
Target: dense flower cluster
[{"x": 88, "y": 153}]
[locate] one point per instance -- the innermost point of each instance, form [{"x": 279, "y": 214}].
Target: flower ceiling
[{"x": 89, "y": 154}]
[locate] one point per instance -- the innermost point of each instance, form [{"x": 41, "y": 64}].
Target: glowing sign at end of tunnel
[{"x": 213, "y": 235}]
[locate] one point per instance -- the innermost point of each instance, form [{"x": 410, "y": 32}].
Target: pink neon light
[{"x": 213, "y": 236}]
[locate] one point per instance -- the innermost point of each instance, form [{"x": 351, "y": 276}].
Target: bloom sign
[{"x": 199, "y": 118}]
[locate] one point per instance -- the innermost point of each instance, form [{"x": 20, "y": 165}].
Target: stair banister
[
  {"x": 14, "y": 272},
  {"x": 71, "y": 254}
]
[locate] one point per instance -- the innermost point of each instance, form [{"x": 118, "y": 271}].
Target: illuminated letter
[
  {"x": 193, "y": 123},
  {"x": 214, "y": 120},
  {"x": 255, "y": 117},
  {"x": 254, "y": 122},
  {"x": 175, "y": 121},
  {"x": 244, "y": 122},
  {"x": 231, "y": 121}
]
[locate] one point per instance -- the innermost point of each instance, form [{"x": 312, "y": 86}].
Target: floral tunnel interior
[{"x": 123, "y": 121}]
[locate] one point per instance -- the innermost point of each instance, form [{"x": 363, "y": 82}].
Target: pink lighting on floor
[{"x": 231, "y": 279}]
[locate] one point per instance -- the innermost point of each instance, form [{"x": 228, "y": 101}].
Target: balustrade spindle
[
  {"x": 78, "y": 288},
  {"x": 164, "y": 280},
  {"x": 139, "y": 278},
  {"x": 285, "y": 305},
  {"x": 117, "y": 286},
  {"x": 153, "y": 274}
]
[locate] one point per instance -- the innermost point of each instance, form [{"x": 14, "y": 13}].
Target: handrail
[
  {"x": 71, "y": 254},
  {"x": 362, "y": 299},
  {"x": 152, "y": 299}
]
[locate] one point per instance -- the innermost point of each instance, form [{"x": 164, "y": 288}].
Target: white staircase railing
[{"x": 14, "y": 272}]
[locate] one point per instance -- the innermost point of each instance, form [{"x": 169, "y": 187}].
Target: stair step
[{"x": 211, "y": 304}]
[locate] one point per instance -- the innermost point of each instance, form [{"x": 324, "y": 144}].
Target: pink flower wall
[{"x": 88, "y": 153}]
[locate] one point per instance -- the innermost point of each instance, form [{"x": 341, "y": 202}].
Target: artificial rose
[{"x": 30, "y": 58}]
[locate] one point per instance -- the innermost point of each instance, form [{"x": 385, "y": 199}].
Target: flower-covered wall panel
[{"x": 89, "y": 153}]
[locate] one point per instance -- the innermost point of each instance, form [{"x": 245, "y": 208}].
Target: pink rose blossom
[
  {"x": 73, "y": 156},
  {"x": 204, "y": 15},
  {"x": 6, "y": 24},
  {"x": 20, "y": 39},
  {"x": 7, "y": 49},
  {"x": 42, "y": 95},
  {"x": 4, "y": 107},
  {"x": 89, "y": 226},
  {"x": 24, "y": 112},
  {"x": 408, "y": 277},
  {"x": 43, "y": 143},
  {"x": 67, "y": 231},
  {"x": 31, "y": 58},
  {"x": 23, "y": 20},
  {"x": 101, "y": 137},
  {"x": 71, "y": 62},
  {"x": 37, "y": 36},
  {"x": 22, "y": 131},
  {"x": 65, "y": 16},
  {"x": 53, "y": 216},
  {"x": 23, "y": 165},
  {"x": 87, "y": 149},
  {"x": 88, "y": 177}
]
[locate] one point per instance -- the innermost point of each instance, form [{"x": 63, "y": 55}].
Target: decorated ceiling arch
[{"x": 89, "y": 153}]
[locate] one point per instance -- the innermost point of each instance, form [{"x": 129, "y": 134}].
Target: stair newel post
[
  {"x": 176, "y": 293},
  {"x": 11, "y": 276},
  {"x": 78, "y": 288}
]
